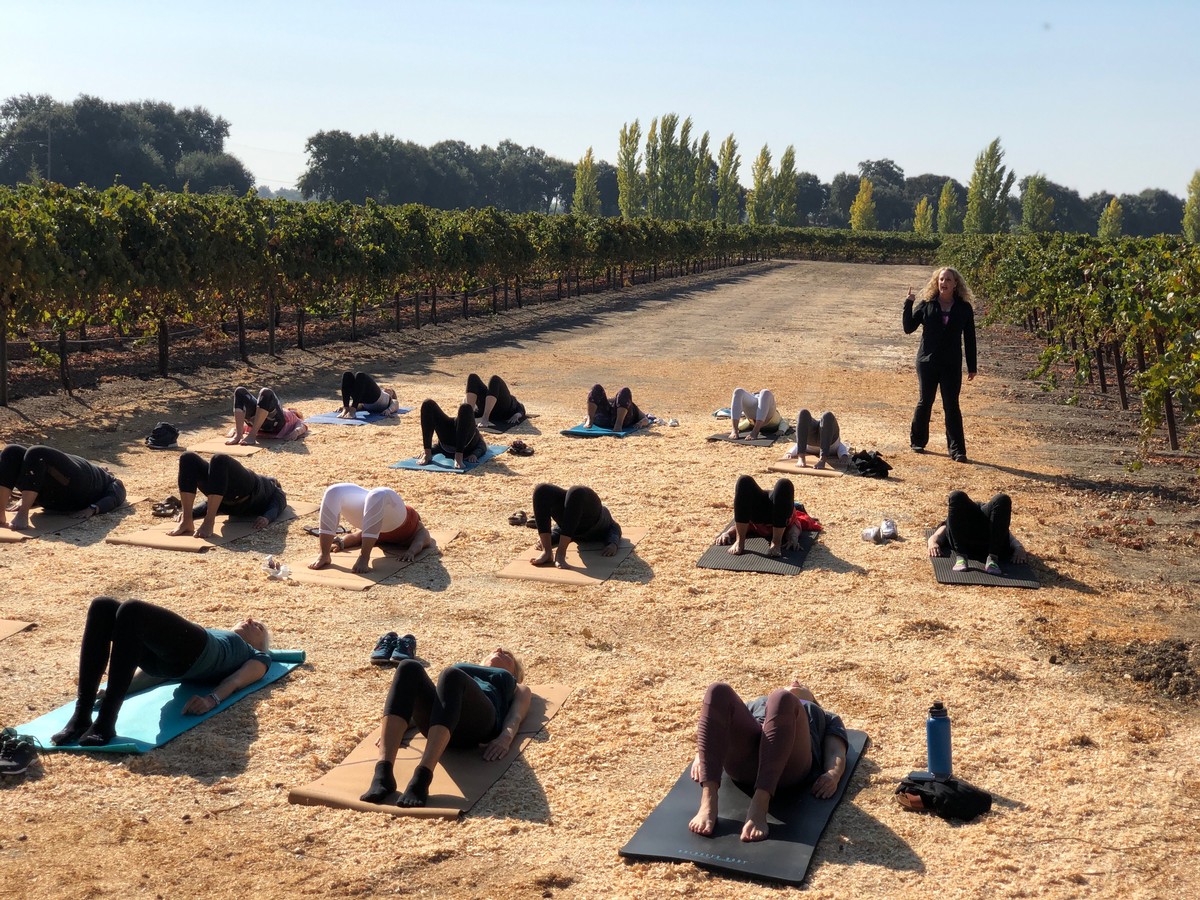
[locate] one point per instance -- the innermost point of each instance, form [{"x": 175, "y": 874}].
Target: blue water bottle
[{"x": 937, "y": 741}]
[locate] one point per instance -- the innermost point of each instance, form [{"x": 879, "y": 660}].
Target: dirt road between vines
[{"x": 1073, "y": 704}]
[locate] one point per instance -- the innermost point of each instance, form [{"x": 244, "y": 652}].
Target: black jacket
[{"x": 941, "y": 344}]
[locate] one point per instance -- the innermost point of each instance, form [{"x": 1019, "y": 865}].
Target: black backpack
[
  {"x": 950, "y": 799},
  {"x": 868, "y": 464},
  {"x": 163, "y": 436}
]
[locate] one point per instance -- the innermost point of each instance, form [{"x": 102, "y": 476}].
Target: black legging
[
  {"x": 823, "y": 432},
  {"x": 979, "y": 529},
  {"x": 578, "y": 511},
  {"x": 360, "y": 389},
  {"x": 506, "y": 406},
  {"x": 224, "y": 476},
  {"x": 62, "y": 481},
  {"x": 605, "y": 415},
  {"x": 124, "y": 636},
  {"x": 754, "y": 505},
  {"x": 247, "y": 403},
  {"x": 930, "y": 378},
  {"x": 457, "y": 435},
  {"x": 457, "y": 703}
]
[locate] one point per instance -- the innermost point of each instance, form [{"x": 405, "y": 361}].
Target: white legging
[
  {"x": 374, "y": 511},
  {"x": 759, "y": 407}
]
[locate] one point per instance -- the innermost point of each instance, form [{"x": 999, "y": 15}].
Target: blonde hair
[
  {"x": 961, "y": 291},
  {"x": 518, "y": 670}
]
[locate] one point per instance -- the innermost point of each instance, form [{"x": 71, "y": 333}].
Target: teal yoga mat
[
  {"x": 362, "y": 417},
  {"x": 151, "y": 718},
  {"x": 446, "y": 463},
  {"x": 591, "y": 431}
]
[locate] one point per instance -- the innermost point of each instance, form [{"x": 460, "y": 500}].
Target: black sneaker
[
  {"x": 406, "y": 648},
  {"x": 960, "y": 458},
  {"x": 916, "y": 449},
  {"x": 382, "y": 654},
  {"x": 17, "y": 751}
]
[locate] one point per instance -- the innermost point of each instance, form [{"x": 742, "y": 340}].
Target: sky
[{"x": 1098, "y": 95}]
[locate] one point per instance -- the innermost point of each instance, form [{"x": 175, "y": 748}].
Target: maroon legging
[{"x": 776, "y": 754}]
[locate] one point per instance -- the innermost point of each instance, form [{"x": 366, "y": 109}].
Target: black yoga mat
[
  {"x": 797, "y": 820},
  {"x": 755, "y": 558},
  {"x": 1016, "y": 575}
]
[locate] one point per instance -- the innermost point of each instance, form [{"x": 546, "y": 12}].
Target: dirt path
[{"x": 1094, "y": 776}]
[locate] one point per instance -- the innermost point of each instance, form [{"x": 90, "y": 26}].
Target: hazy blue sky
[{"x": 1098, "y": 95}]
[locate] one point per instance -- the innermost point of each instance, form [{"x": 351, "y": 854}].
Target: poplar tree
[
  {"x": 668, "y": 168},
  {"x": 728, "y": 163},
  {"x": 1191, "y": 210},
  {"x": 784, "y": 188},
  {"x": 862, "y": 210},
  {"x": 1037, "y": 206},
  {"x": 949, "y": 216},
  {"x": 1109, "y": 226},
  {"x": 923, "y": 217},
  {"x": 759, "y": 204},
  {"x": 631, "y": 187},
  {"x": 702, "y": 186},
  {"x": 587, "y": 192},
  {"x": 653, "y": 172},
  {"x": 987, "y": 194}
]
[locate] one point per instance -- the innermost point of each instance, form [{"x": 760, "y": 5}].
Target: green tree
[
  {"x": 631, "y": 186},
  {"x": 783, "y": 187},
  {"x": 923, "y": 217},
  {"x": 987, "y": 194},
  {"x": 862, "y": 210},
  {"x": 759, "y": 204},
  {"x": 949, "y": 216},
  {"x": 702, "y": 183},
  {"x": 728, "y": 163},
  {"x": 1191, "y": 210},
  {"x": 586, "y": 201},
  {"x": 1109, "y": 227},
  {"x": 653, "y": 172},
  {"x": 1037, "y": 206}
]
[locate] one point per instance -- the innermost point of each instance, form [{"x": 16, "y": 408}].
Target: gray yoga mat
[
  {"x": 797, "y": 821},
  {"x": 755, "y": 558},
  {"x": 1016, "y": 575}
]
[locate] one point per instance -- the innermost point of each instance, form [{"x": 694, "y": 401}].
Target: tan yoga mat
[
  {"x": 787, "y": 466},
  {"x": 588, "y": 565},
  {"x": 384, "y": 564},
  {"x": 462, "y": 777},
  {"x": 218, "y": 445},
  {"x": 9, "y": 627},
  {"x": 228, "y": 529},
  {"x": 42, "y": 522}
]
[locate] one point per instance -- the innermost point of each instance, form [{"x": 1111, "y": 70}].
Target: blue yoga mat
[
  {"x": 361, "y": 417},
  {"x": 151, "y": 718},
  {"x": 446, "y": 463},
  {"x": 591, "y": 431}
]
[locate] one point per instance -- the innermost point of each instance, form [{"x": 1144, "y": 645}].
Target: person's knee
[
  {"x": 37, "y": 455},
  {"x": 624, "y": 398},
  {"x": 429, "y": 407},
  {"x": 784, "y": 491},
  {"x": 132, "y": 611},
  {"x": 1001, "y": 503},
  {"x": 452, "y": 681},
  {"x": 720, "y": 694},
  {"x": 496, "y": 385},
  {"x": 958, "y": 502},
  {"x": 103, "y": 607},
  {"x": 218, "y": 469},
  {"x": 597, "y": 395},
  {"x": 828, "y": 420},
  {"x": 12, "y": 455},
  {"x": 268, "y": 400},
  {"x": 241, "y": 397},
  {"x": 544, "y": 492}
]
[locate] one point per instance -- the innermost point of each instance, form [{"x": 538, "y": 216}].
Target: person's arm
[
  {"x": 362, "y": 565},
  {"x": 938, "y": 540},
  {"x": 912, "y": 321},
  {"x": 113, "y": 497},
  {"x": 517, "y": 710},
  {"x": 1018, "y": 549},
  {"x": 420, "y": 540},
  {"x": 969, "y": 343},
  {"x": 833, "y": 751},
  {"x": 251, "y": 671},
  {"x": 272, "y": 512},
  {"x": 613, "y": 539},
  {"x": 791, "y": 537},
  {"x": 726, "y": 537}
]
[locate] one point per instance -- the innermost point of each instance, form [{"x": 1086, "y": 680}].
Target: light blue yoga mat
[
  {"x": 591, "y": 431},
  {"x": 442, "y": 463},
  {"x": 151, "y": 718},
  {"x": 361, "y": 417}
]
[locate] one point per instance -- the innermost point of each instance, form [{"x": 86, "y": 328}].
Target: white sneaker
[
  {"x": 887, "y": 530},
  {"x": 872, "y": 535}
]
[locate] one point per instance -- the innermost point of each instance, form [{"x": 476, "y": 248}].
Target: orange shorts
[{"x": 403, "y": 534}]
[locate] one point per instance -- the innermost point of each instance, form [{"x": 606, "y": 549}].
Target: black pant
[
  {"x": 124, "y": 636},
  {"x": 247, "y": 403},
  {"x": 605, "y": 415},
  {"x": 226, "y": 477},
  {"x": 457, "y": 435},
  {"x": 931, "y": 377},
  {"x": 359, "y": 388},
  {"x": 979, "y": 529},
  {"x": 457, "y": 703},
  {"x": 823, "y": 432},
  {"x": 751, "y": 504},
  {"x": 506, "y": 404},
  {"x": 62, "y": 481},
  {"x": 578, "y": 511}
]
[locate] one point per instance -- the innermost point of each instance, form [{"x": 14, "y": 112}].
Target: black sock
[
  {"x": 98, "y": 735},
  {"x": 76, "y": 726},
  {"x": 382, "y": 784},
  {"x": 417, "y": 792}
]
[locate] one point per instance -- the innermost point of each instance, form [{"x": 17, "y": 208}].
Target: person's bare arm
[
  {"x": 935, "y": 541},
  {"x": 499, "y": 745},
  {"x": 421, "y": 539},
  {"x": 791, "y": 538},
  {"x": 1019, "y": 554},
  {"x": 833, "y": 749},
  {"x": 251, "y": 671}
]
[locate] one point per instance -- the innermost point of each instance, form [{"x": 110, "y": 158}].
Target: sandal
[
  {"x": 167, "y": 508},
  {"x": 520, "y": 517},
  {"x": 315, "y": 530},
  {"x": 520, "y": 448}
]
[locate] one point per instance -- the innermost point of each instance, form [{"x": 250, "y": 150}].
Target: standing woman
[{"x": 947, "y": 324}]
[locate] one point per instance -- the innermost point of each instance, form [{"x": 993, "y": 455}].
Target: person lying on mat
[
  {"x": 780, "y": 741},
  {"x": 360, "y": 391},
  {"x": 618, "y": 414},
  {"x": 458, "y": 437},
  {"x": 143, "y": 645},
  {"x": 253, "y": 415},
  {"x": 492, "y": 401},
  {"x": 231, "y": 489},
  {"x": 580, "y": 516},
  {"x": 379, "y": 516},
  {"x": 822, "y": 433},
  {"x": 753, "y": 412},
  {"x": 55, "y": 481},
  {"x": 977, "y": 530},
  {"x": 771, "y": 515},
  {"x": 471, "y": 705}
]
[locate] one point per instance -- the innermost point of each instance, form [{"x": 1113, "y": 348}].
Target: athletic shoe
[
  {"x": 406, "y": 648},
  {"x": 960, "y": 458},
  {"x": 382, "y": 654},
  {"x": 887, "y": 530},
  {"x": 17, "y": 751},
  {"x": 872, "y": 535},
  {"x": 960, "y": 564},
  {"x": 915, "y": 449},
  {"x": 992, "y": 566}
]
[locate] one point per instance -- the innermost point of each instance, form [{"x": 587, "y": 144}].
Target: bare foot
[
  {"x": 733, "y": 435},
  {"x": 756, "y": 827},
  {"x": 204, "y": 531},
  {"x": 425, "y": 458},
  {"x": 484, "y": 423},
  {"x": 560, "y": 558},
  {"x": 180, "y": 529},
  {"x": 545, "y": 558},
  {"x": 20, "y": 522},
  {"x": 737, "y": 548},
  {"x": 820, "y": 463},
  {"x": 705, "y": 820},
  {"x": 249, "y": 441},
  {"x": 233, "y": 439},
  {"x": 774, "y": 550},
  {"x": 320, "y": 563},
  {"x": 345, "y": 413}
]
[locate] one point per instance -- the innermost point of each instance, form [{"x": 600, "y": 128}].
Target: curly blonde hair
[{"x": 961, "y": 290}]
